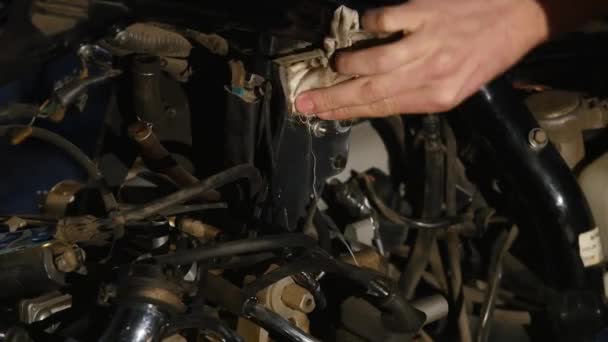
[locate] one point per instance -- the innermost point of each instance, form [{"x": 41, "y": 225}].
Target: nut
[
  {"x": 298, "y": 298},
  {"x": 538, "y": 139}
]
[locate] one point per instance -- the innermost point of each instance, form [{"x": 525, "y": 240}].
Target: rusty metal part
[
  {"x": 198, "y": 229},
  {"x": 152, "y": 149},
  {"x": 59, "y": 198}
]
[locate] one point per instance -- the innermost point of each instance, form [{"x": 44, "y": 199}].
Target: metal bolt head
[{"x": 538, "y": 139}]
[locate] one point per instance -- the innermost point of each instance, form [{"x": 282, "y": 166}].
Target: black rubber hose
[
  {"x": 231, "y": 175},
  {"x": 398, "y": 315},
  {"x": 261, "y": 244},
  {"x": 80, "y": 157},
  {"x": 323, "y": 230},
  {"x": 15, "y": 113},
  {"x": 399, "y": 219},
  {"x": 71, "y": 92},
  {"x": 548, "y": 199},
  {"x": 244, "y": 261}
]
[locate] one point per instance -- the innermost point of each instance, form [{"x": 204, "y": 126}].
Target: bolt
[
  {"x": 298, "y": 298},
  {"x": 538, "y": 139}
]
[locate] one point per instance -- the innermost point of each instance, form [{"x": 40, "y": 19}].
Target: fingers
[
  {"x": 351, "y": 93},
  {"x": 406, "y": 17},
  {"x": 429, "y": 99},
  {"x": 384, "y": 58},
  {"x": 408, "y": 103}
]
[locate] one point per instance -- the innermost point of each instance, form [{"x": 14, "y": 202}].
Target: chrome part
[
  {"x": 139, "y": 322},
  {"x": 39, "y": 308}
]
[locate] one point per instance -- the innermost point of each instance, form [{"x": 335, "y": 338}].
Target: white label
[{"x": 590, "y": 248}]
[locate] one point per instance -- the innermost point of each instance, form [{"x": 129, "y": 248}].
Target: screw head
[{"x": 538, "y": 139}]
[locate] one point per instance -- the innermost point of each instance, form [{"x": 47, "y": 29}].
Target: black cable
[
  {"x": 80, "y": 157},
  {"x": 305, "y": 264},
  {"x": 323, "y": 230},
  {"x": 243, "y": 261},
  {"x": 14, "y": 113},
  {"x": 185, "y": 209},
  {"x": 216, "y": 181},
  {"x": 399, "y": 219},
  {"x": 398, "y": 315},
  {"x": 433, "y": 224},
  {"x": 308, "y": 281},
  {"x": 265, "y": 243}
]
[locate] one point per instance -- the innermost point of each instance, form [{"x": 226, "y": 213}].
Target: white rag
[{"x": 311, "y": 70}]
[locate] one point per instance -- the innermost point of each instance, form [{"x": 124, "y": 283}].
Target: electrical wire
[
  {"x": 228, "y": 176},
  {"x": 260, "y": 244},
  {"x": 77, "y": 155},
  {"x": 501, "y": 247}
]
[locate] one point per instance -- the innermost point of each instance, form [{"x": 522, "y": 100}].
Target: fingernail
[{"x": 304, "y": 104}]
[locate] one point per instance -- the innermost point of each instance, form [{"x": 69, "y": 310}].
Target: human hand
[{"x": 450, "y": 50}]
